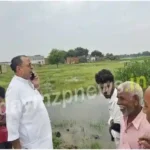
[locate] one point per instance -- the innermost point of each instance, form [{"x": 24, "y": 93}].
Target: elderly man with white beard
[{"x": 134, "y": 123}]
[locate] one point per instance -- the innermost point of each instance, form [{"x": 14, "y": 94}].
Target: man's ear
[
  {"x": 17, "y": 68},
  {"x": 136, "y": 99}
]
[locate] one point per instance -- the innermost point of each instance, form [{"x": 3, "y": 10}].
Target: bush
[{"x": 138, "y": 72}]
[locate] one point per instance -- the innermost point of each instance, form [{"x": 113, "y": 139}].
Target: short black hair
[
  {"x": 2, "y": 92},
  {"x": 104, "y": 76},
  {"x": 16, "y": 61}
]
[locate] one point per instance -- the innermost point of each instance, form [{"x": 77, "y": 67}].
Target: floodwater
[{"x": 82, "y": 122}]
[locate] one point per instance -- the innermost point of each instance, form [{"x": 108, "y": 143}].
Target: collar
[
  {"x": 114, "y": 96},
  {"x": 24, "y": 81},
  {"x": 21, "y": 79},
  {"x": 137, "y": 121}
]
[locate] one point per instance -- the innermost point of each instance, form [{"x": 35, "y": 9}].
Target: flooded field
[{"x": 81, "y": 123}]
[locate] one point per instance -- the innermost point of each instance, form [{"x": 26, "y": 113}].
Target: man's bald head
[
  {"x": 17, "y": 61},
  {"x": 22, "y": 66},
  {"x": 147, "y": 103}
]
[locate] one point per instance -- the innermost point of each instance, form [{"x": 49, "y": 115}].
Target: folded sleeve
[
  {"x": 109, "y": 120},
  {"x": 13, "y": 113}
]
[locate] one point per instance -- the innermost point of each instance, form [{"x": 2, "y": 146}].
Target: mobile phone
[{"x": 32, "y": 76}]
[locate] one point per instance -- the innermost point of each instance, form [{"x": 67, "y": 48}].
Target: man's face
[
  {"x": 126, "y": 102},
  {"x": 147, "y": 105},
  {"x": 107, "y": 89},
  {"x": 25, "y": 69}
]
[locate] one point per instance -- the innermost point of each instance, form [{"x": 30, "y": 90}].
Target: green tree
[
  {"x": 146, "y": 53},
  {"x": 63, "y": 55},
  {"x": 56, "y": 56},
  {"x": 79, "y": 51},
  {"x": 97, "y": 53},
  {"x": 71, "y": 53},
  {"x": 109, "y": 56}
]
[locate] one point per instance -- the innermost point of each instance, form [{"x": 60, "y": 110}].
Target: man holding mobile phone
[{"x": 27, "y": 119}]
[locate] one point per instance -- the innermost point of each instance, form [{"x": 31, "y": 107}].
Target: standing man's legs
[
  {"x": 8, "y": 145},
  {"x": 2, "y": 145}
]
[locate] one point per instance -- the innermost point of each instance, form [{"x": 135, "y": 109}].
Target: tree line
[
  {"x": 144, "y": 53},
  {"x": 57, "y": 56}
]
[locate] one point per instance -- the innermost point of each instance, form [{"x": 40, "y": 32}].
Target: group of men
[
  {"x": 129, "y": 120},
  {"x": 28, "y": 123}
]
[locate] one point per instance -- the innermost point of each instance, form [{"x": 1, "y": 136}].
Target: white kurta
[
  {"x": 26, "y": 115},
  {"x": 114, "y": 109},
  {"x": 115, "y": 114}
]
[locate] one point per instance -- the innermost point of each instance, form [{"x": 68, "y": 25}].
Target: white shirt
[
  {"x": 114, "y": 110},
  {"x": 26, "y": 115}
]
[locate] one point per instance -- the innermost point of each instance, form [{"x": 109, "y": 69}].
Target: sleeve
[
  {"x": 13, "y": 113},
  {"x": 109, "y": 120},
  {"x": 110, "y": 115}
]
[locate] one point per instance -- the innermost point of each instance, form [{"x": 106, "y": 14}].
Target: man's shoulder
[
  {"x": 14, "y": 85},
  {"x": 14, "y": 82}
]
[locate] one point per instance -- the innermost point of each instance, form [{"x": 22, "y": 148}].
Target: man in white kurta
[
  {"x": 105, "y": 79},
  {"x": 27, "y": 119}
]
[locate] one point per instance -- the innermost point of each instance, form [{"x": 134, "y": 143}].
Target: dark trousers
[{"x": 6, "y": 145}]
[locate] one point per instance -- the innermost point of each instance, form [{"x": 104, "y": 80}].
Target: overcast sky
[{"x": 32, "y": 28}]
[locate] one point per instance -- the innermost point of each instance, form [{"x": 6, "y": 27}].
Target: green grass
[
  {"x": 96, "y": 145},
  {"x": 56, "y": 142},
  {"x": 65, "y": 77},
  {"x": 66, "y": 80}
]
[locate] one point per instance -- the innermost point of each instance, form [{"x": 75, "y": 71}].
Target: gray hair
[{"x": 132, "y": 88}]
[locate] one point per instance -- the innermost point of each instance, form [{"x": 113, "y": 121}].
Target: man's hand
[
  {"x": 36, "y": 82},
  {"x": 111, "y": 122},
  {"x": 16, "y": 144},
  {"x": 144, "y": 142}
]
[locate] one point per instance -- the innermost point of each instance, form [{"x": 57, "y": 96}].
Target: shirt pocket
[{"x": 30, "y": 105}]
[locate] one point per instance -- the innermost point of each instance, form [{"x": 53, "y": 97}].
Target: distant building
[
  {"x": 72, "y": 60},
  {"x": 5, "y": 63},
  {"x": 91, "y": 58},
  {"x": 37, "y": 59},
  {"x": 3, "y": 67}
]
